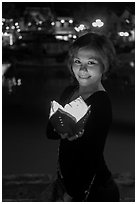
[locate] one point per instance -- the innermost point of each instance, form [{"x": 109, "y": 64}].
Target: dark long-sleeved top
[{"x": 82, "y": 158}]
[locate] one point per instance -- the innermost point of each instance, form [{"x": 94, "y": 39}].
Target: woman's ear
[
  {"x": 104, "y": 76},
  {"x": 104, "y": 73}
]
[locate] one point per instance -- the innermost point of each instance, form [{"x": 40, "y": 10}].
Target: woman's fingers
[
  {"x": 81, "y": 133},
  {"x": 76, "y": 136},
  {"x": 64, "y": 135}
]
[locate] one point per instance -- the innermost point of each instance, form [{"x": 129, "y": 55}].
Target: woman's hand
[
  {"x": 71, "y": 138},
  {"x": 76, "y": 136},
  {"x": 64, "y": 135}
]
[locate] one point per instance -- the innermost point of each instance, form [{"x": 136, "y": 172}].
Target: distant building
[
  {"x": 37, "y": 18},
  {"x": 39, "y": 14},
  {"x": 64, "y": 25},
  {"x": 64, "y": 28}
]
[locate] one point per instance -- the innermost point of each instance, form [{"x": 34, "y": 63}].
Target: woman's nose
[{"x": 83, "y": 67}]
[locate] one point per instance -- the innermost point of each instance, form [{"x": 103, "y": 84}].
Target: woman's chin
[{"x": 83, "y": 81}]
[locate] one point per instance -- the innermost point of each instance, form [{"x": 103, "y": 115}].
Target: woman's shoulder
[
  {"x": 99, "y": 98},
  {"x": 101, "y": 105}
]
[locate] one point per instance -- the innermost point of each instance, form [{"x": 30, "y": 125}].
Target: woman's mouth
[{"x": 84, "y": 77}]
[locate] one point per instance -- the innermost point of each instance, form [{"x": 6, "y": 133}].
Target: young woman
[{"x": 82, "y": 168}]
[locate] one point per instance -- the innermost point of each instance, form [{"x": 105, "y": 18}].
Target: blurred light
[
  {"x": 70, "y": 35},
  {"x": 59, "y": 37},
  {"x": 58, "y": 24},
  {"x": 19, "y": 82},
  {"x": 17, "y": 27},
  {"x": 3, "y": 19},
  {"x": 126, "y": 34},
  {"x": 10, "y": 37},
  {"x": 5, "y": 67},
  {"x": 29, "y": 24},
  {"x": 40, "y": 22},
  {"x": 122, "y": 34},
  {"x": 16, "y": 23},
  {"x": 94, "y": 24},
  {"x": 20, "y": 37},
  {"x": 65, "y": 38},
  {"x": 127, "y": 21},
  {"x": 52, "y": 23},
  {"x": 70, "y": 21},
  {"x": 14, "y": 81},
  {"x": 39, "y": 28},
  {"x": 77, "y": 29},
  {"x": 7, "y": 28},
  {"x": 132, "y": 35},
  {"x": 62, "y": 21},
  {"x": 81, "y": 27},
  {"x": 18, "y": 30},
  {"x": 12, "y": 27},
  {"x": 74, "y": 36},
  {"x": 97, "y": 23},
  {"x": 132, "y": 64}
]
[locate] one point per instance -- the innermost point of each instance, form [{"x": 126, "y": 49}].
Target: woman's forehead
[{"x": 87, "y": 53}]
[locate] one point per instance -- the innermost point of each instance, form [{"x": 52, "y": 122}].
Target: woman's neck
[
  {"x": 86, "y": 91},
  {"x": 90, "y": 89}
]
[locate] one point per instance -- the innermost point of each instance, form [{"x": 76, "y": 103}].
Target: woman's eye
[
  {"x": 92, "y": 62},
  {"x": 77, "y": 62}
]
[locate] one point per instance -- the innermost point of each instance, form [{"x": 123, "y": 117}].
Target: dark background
[
  {"x": 25, "y": 148},
  {"x": 60, "y": 8}
]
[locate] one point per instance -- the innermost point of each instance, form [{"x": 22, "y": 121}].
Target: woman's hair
[{"x": 99, "y": 43}]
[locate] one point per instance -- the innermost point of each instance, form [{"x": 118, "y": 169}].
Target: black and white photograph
[{"x": 68, "y": 101}]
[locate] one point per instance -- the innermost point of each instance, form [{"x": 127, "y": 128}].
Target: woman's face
[{"x": 87, "y": 67}]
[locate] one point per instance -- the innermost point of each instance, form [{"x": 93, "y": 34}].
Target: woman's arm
[{"x": 98, "y": 124}]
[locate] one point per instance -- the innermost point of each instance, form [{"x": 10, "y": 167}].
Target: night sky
[{"x": 67, "y": 8}]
